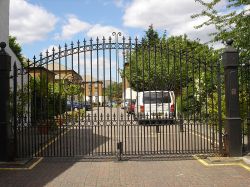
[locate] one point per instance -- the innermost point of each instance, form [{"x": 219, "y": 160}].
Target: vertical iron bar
[
  {"x": 34, "y": 120},
  {"x": 194, "y": 101},
  {"x": 104, "y": 94},
  {"x": 15, "y": 108},
  {"x": 61, "y": 124},
  {"x": 206, "y": 115},
  {"x": 211, "y": 130},
  {"x": 28, "y": 115},
  {"x": 219, "y": 107},
  {"x": 110, "y": 93},
  {"x": 178, "y": 132},
  {"x": 98, "y": 113},
  {"x": 81, "y": 101},
  {"x": 74, "y": 116},
  {"x": 130, "y": 142},
  {"x": 91, "y": 97},
  {"x": 87, "y": 142},
  {"x": 143, "y": 89},
  {"x": 200, "y": 102},
  {"x": 187, "y": 105},
  {"x": 53, "y": 93}
]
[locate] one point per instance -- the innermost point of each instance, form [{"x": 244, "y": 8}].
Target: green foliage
[
  {"x": 21, "y": 100},
  {"x": 178, "y": 64},
  {"x": 232, "y": 23},
  {"x": 161, "y": 63},
  {"x": 74, "y": 115},
  {"x": 16, "y": 48},
  {"x": 114, "y": 91},
  {"x": 46, "y": 101}
]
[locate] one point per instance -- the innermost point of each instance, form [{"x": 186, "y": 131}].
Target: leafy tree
[
  {"x": 114, "y": 91},
  {"x": 159, "y": 63},
  {"x": 176, "y": 63},
  {"x": 46, "y": 100},
  {"x": 232, "y": 23},
  {"x": 16, "y": 48}
]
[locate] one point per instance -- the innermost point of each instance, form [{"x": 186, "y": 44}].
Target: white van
[{"x": 155, "y": 107}]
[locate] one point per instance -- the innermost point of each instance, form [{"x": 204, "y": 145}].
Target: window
[{"x": 156, "y": 97}]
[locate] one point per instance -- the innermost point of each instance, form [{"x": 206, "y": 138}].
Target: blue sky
[{"x": 42, "y": 24}]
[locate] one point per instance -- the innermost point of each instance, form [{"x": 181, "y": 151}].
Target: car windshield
[{"x": 156, "y": 97}]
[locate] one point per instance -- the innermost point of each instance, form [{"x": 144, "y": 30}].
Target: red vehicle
[{"x": 131, "y": 107}]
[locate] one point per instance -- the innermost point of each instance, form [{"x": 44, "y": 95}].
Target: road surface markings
[
  {"x": 28, "y": 168},
  {"x": 205, "y": 163}
]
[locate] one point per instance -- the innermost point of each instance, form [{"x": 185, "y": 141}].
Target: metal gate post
[
  {"x": 233, "y": 133},
  {"x": 6, "y": 143}
]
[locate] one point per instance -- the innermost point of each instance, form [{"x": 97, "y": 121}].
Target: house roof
[
  {"x": 56, "y": 67},
  {"x": 40, "y": 68}
]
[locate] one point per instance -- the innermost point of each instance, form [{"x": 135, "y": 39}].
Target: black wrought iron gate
[{"x": 119, "y": 97}]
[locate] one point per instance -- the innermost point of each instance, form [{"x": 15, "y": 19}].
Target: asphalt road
[{"x": 98, "y": 136}]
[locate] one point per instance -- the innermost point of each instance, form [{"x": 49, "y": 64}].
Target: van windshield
[{"x": 156, "y": 97}]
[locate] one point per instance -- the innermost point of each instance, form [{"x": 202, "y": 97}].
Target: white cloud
[
  {"x": 173, "y": 16},
  {"x": 101, "y": 30},
  {"x": 30, "y": 22},
  {"x": 72, "y": 27},
  {"x": 119, "y": 3},
  {"x": 50, "y": 50}
]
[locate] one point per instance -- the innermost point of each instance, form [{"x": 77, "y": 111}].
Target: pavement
[{"x": 169, "y": 172}]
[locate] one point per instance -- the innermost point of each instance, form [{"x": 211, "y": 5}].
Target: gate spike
[
  {"x": 129, "y": 39},
  {"x": 34, "y": 59},
  {"x": 47, "y": 53}
]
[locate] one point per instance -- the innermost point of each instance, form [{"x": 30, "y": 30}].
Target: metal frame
[{"x": 44, "y": 127}]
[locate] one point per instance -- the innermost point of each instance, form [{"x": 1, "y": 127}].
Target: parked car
[
  {"x": 78, "y": 105},
  {"x": 155, "y": 107},
  {"x": 73, "y": 105},
  {"x": 86, "y": 105}
]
